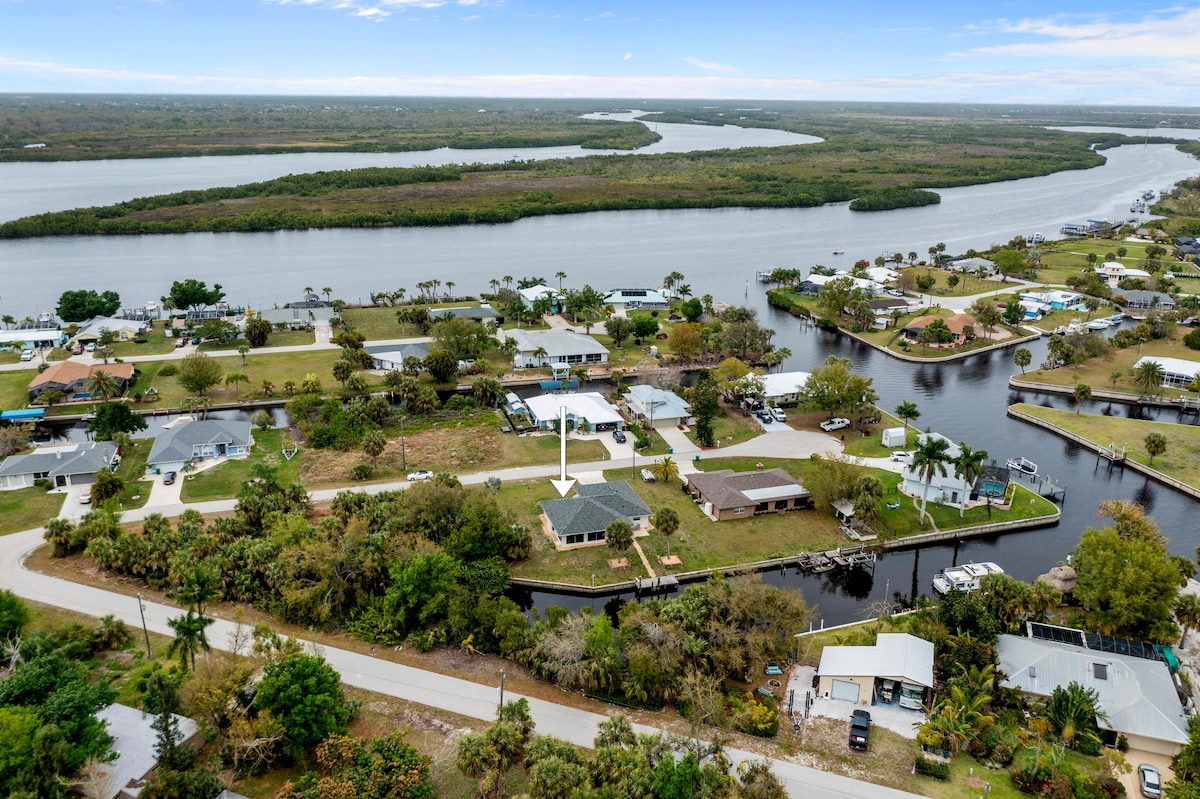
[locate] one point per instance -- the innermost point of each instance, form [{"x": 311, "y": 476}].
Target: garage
[{"x": 844, "y": 690}]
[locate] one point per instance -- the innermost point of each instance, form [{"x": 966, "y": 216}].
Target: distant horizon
[{"x": 1081, "y": 53}]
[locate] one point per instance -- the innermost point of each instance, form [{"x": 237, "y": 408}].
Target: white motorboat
[
  {"x": 1023, "y": 465},
  {"x": 964, "y": 578},
  {"x": 1098, "y": 324},
  {"x": 839, "y": 251}
]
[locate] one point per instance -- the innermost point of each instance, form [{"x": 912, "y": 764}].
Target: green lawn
[
  {"x": 906, "y": 520},
  {"x": 732, "y": 426},
  {"x": 224, "y": 481},
  {"x": 277, "y": 367},
  {"x": 13, "y": 393},
  {"x": 131, "y": 470},
  {"x": 29, "y": 507},
  {"x": 967, "y": 284},
  {"x": 1061, "y": 259},
  {"x": 1099, "y": 372},
  {"x": 1181, "y": 460},
  {"x": 380, "y": 323}
]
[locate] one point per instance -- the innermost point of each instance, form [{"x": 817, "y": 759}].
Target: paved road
[{"x": 375, "y": 674}]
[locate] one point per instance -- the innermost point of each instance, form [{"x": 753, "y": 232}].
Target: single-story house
[
  {"x": 296, "y": 317},
  {"x": 64, "y": 466},
  {"x": 1056, "y": 300},
  {"x": 656, "y": 407},
  {"x": 855, "y": 673},
  {"x": 587, "y": 410},
  {"x": 783, "y": 388},
  {"x": 201, "y": 438},
  {"x": 124, "y": 329},
  {"x": 727, "y": 494},
  {"x": 885, "y": 305},
  {"x": 33, "y": 334},
  {"x": 134, "y": 744},
  {"x": 1113, "y": 272},
  {"x": 531, "y": 294},
  {"x": 947, "y": 490},
  {"x": 560, "y": 346},
  {"x": 870, "y": 287},
  {"x": 484, "y": 314},
  {"x": 391, "y": 356},
  {"x": 1177, "y": 373},
  {"x": 881, "y": 274},
  {"x": 973, "y": 265},
  {"x": 958, "y": 323},
  {"x": 1034, "y": 309},
  {"x": 649, "y": 299},
  {"x": 1145, "y": 300},
  {"x": 1137, "y": 695},
  {"x": 583, "y": 518},
  {"x": 71, "y": 377}
]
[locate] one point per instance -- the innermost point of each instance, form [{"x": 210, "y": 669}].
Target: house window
[
  {"x": 781, "y": 504},
  {"x": 1100, "y": 671},
  {"x": 575, "y": 538},
  {"x": 739, "y": 510},
  {"x": 596, "y": 536},
  {"x": 761, "y": 507},
  {"x": 1033, "y": 672}
]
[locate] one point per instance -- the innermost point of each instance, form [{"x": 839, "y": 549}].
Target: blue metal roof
[{"x": 22, "y": 414}]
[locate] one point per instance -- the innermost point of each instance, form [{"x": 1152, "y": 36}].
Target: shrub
[
  {"x": 362, "y": 471},
  {"x": 459, "y": 402},
  {"x": 168, "y": 370},
  {"x": 932, "y": 768},
  {"x": 1192, "y": 339}
]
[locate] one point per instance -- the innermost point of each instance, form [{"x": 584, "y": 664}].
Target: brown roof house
[
  {"x": 957, "y": 324},
  {"x": 736, "y": 495},
  {"x": 70, "y": 377},
  {"x": 583, "y": 518}
]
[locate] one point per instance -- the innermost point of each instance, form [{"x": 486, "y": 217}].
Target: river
[{"x": 718, "y": 251}]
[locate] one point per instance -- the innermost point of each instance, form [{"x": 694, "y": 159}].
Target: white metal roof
[
  {"x": 895, "y": 656},
  {"x": 585, "y": 405},
  {"x": 783, "y": 383},
  {"x": 1137, "y": 695},
  {"x": 1175, "y": 366}
]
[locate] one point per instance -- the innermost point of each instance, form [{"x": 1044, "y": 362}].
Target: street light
[{"x": 142, "y": 611}]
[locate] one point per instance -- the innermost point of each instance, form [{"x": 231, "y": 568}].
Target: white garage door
[{"x": 845, "y": 690}]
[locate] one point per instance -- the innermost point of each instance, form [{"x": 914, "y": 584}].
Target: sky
[{"x": 1096, "y": 52}]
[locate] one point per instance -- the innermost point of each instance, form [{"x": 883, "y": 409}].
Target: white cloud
[
  {"x": 629, "y": 56},
  {"x": 601, "y": 15},
  {"x": 708, "y": 66}
]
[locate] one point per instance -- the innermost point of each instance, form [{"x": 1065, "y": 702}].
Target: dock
[
  {"x": 842, "y": 557},
  {"x": 663, "y": 582}
]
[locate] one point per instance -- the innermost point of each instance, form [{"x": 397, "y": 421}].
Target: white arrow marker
[{"x": 562, "y": 483}]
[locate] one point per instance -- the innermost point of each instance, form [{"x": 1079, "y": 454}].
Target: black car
[
  {"x": 860, "y": 730},
  {"x": 168, "y": 478},
  {"x": 618, "y": 437}
]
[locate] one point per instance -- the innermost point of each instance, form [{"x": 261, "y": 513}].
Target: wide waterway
[{"x": 718, "y": 251}]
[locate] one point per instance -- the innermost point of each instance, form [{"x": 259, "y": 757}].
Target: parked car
[
  {"x": 77, "y": 349},
  {"x": 895, "y": 293},
  {"x": 423, "y": 474},
  {"x": 1149, "y": 781},
  {"x": 778, "y": 415},
  {"x": 26, "y": 355},
  {"x": 860, "y": 730},
  {"x": 902, "y": 457},
  {"x": 647, "y": 476},
  {"x": 764, "y": 416},
  {"x": 836, "y": 423},
  {"x": 91, "y": 346},
  {"x": 180, "y": 342},
  {"x": 195, "y": 339},
  {"x": 85, "y": 497},
  {"x": 169, "y": 478},
  {"x": 618, "y": 437}
]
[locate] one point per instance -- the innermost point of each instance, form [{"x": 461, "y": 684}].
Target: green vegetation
[
  {"x": 859, "y": 156},
  {"x": 26, "y": 508},
  {"x": 891, "y": 198}
]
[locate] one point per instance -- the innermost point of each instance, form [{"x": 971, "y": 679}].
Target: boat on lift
[
  {"x": 1023, "y": 465},
  {"x": 963, "y": 578}
]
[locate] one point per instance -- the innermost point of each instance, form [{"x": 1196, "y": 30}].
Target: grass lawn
[
  {"x": 1099, "y": 372},
  {"x": 380, "y": 323},
  {"x": 1069, "y": 257},
  {"x": 906, "y": 520},
  {"x": 1181, "y": 460},
  {"x": 13, "y": 385},
  {"x": 224, "y": 481},
  {"x": 29, "y": 507},
  {"x": 1064, "y": 316},
  {"x": 131, "y": 470},
  {"x": 967, "y": 284},
  {"x": 276, "y": 367},
  {"x": 156, "y": 343},
  {"x": 871, "y": 445},
  {"x": 732, "y": 426}
]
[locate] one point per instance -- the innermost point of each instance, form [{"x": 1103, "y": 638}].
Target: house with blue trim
[{"x": 656, "y": 407}]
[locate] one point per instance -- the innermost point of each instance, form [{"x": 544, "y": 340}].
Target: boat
[
  {"x": 1022, "y": 465},
  {"x": 1035, "y": 238},
  {"x": 964, "y": 578},
  {"x": 839, "y": 251},
  {"x": 1148, "y": 194},
  {"x": 1098, "y": 324}
]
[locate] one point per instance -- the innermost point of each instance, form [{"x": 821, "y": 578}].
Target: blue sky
[{"x": 1098, "y": 52}]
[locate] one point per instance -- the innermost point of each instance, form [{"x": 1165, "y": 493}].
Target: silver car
[{"x": 1150, "y": 782}]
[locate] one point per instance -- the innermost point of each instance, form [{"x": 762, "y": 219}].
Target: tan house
[
  {"x": 738, "y": 495},
  {"x": 898, "y": 668},
  {"x": 70, "y": 377},
  {"x": 958, "y": 325}
]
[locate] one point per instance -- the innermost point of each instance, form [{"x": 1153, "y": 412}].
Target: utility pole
[
  {"x": 501, "y": 705},
  {"x": 142, "y": 611}
]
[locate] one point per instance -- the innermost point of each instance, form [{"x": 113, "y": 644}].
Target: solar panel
[
  {"x": 1122, "y": 646},
  {"x": 1051, "y": 632}
]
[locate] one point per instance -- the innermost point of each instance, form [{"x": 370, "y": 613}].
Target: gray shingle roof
[
  {"x": 730, "y": 489},
  {"x": 593, "y": 508},
  {"x": 85, "y": 459},
  {"x": 178, "y": 443}
]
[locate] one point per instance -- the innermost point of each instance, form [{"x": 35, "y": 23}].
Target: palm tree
[
  {"x": 487, "y": 390},
  {"x": 1156, "y": 444},
  {"x": 907, "y": 410},
  {"x": 1148, "y": 376},
  {"x": 1022, "y": 358},
  {"x": 1187, "y": 612},
  {"x": 928, "y": 459},
  {"x": 1081, "y": 394},
  {"x": 199, "y": 587},
  {"x": 373, "y": 444},
  {"x": 560, "y": 276},
  {"x": 236, "y": 378},
  {"x": 619, "y": 535},
  {"x": 101, "y": 384},
  {"x": 666, "y": 469},
  {"x": 328, "y": 292},
  {"x": 190, "y": 638},
  {"x": 969, "y": 467},
  {"x": 666, "y": 521},
  {"x": 243, "y": 350}
]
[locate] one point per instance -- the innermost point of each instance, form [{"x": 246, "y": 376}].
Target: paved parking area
[{"x": 904, "y": 722}]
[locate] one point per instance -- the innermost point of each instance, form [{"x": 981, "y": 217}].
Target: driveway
[
  {"x": 1137, "y": 756},
  {"x": 891, "y": 717},
  {"x": 677, "y": 440}
]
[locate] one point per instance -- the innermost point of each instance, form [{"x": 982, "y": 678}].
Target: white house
[
  {"x": 561, "y": 347},
  {"x": 584, "y": 518},
  {"x": 651, "y": 299},
  {"x": 586, "y": 410},
  {"x": 948, "y": 490},
  {"x": 391, "y": 356},
  {"x": 1137, "y": 695},
  {"x": 1113, "y": 272},
  {"x": 135, "y": 747},
  {"x": 783, "y": 388},
  {"x": 1177, "y": 373},
  {"x": 656, "y": 407},
  {"x": 202, "y": 438},
  {"x": 856, "y": 673},
  {"x": 64, "y": 466},
  {"x": 531, "y": 294}
]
